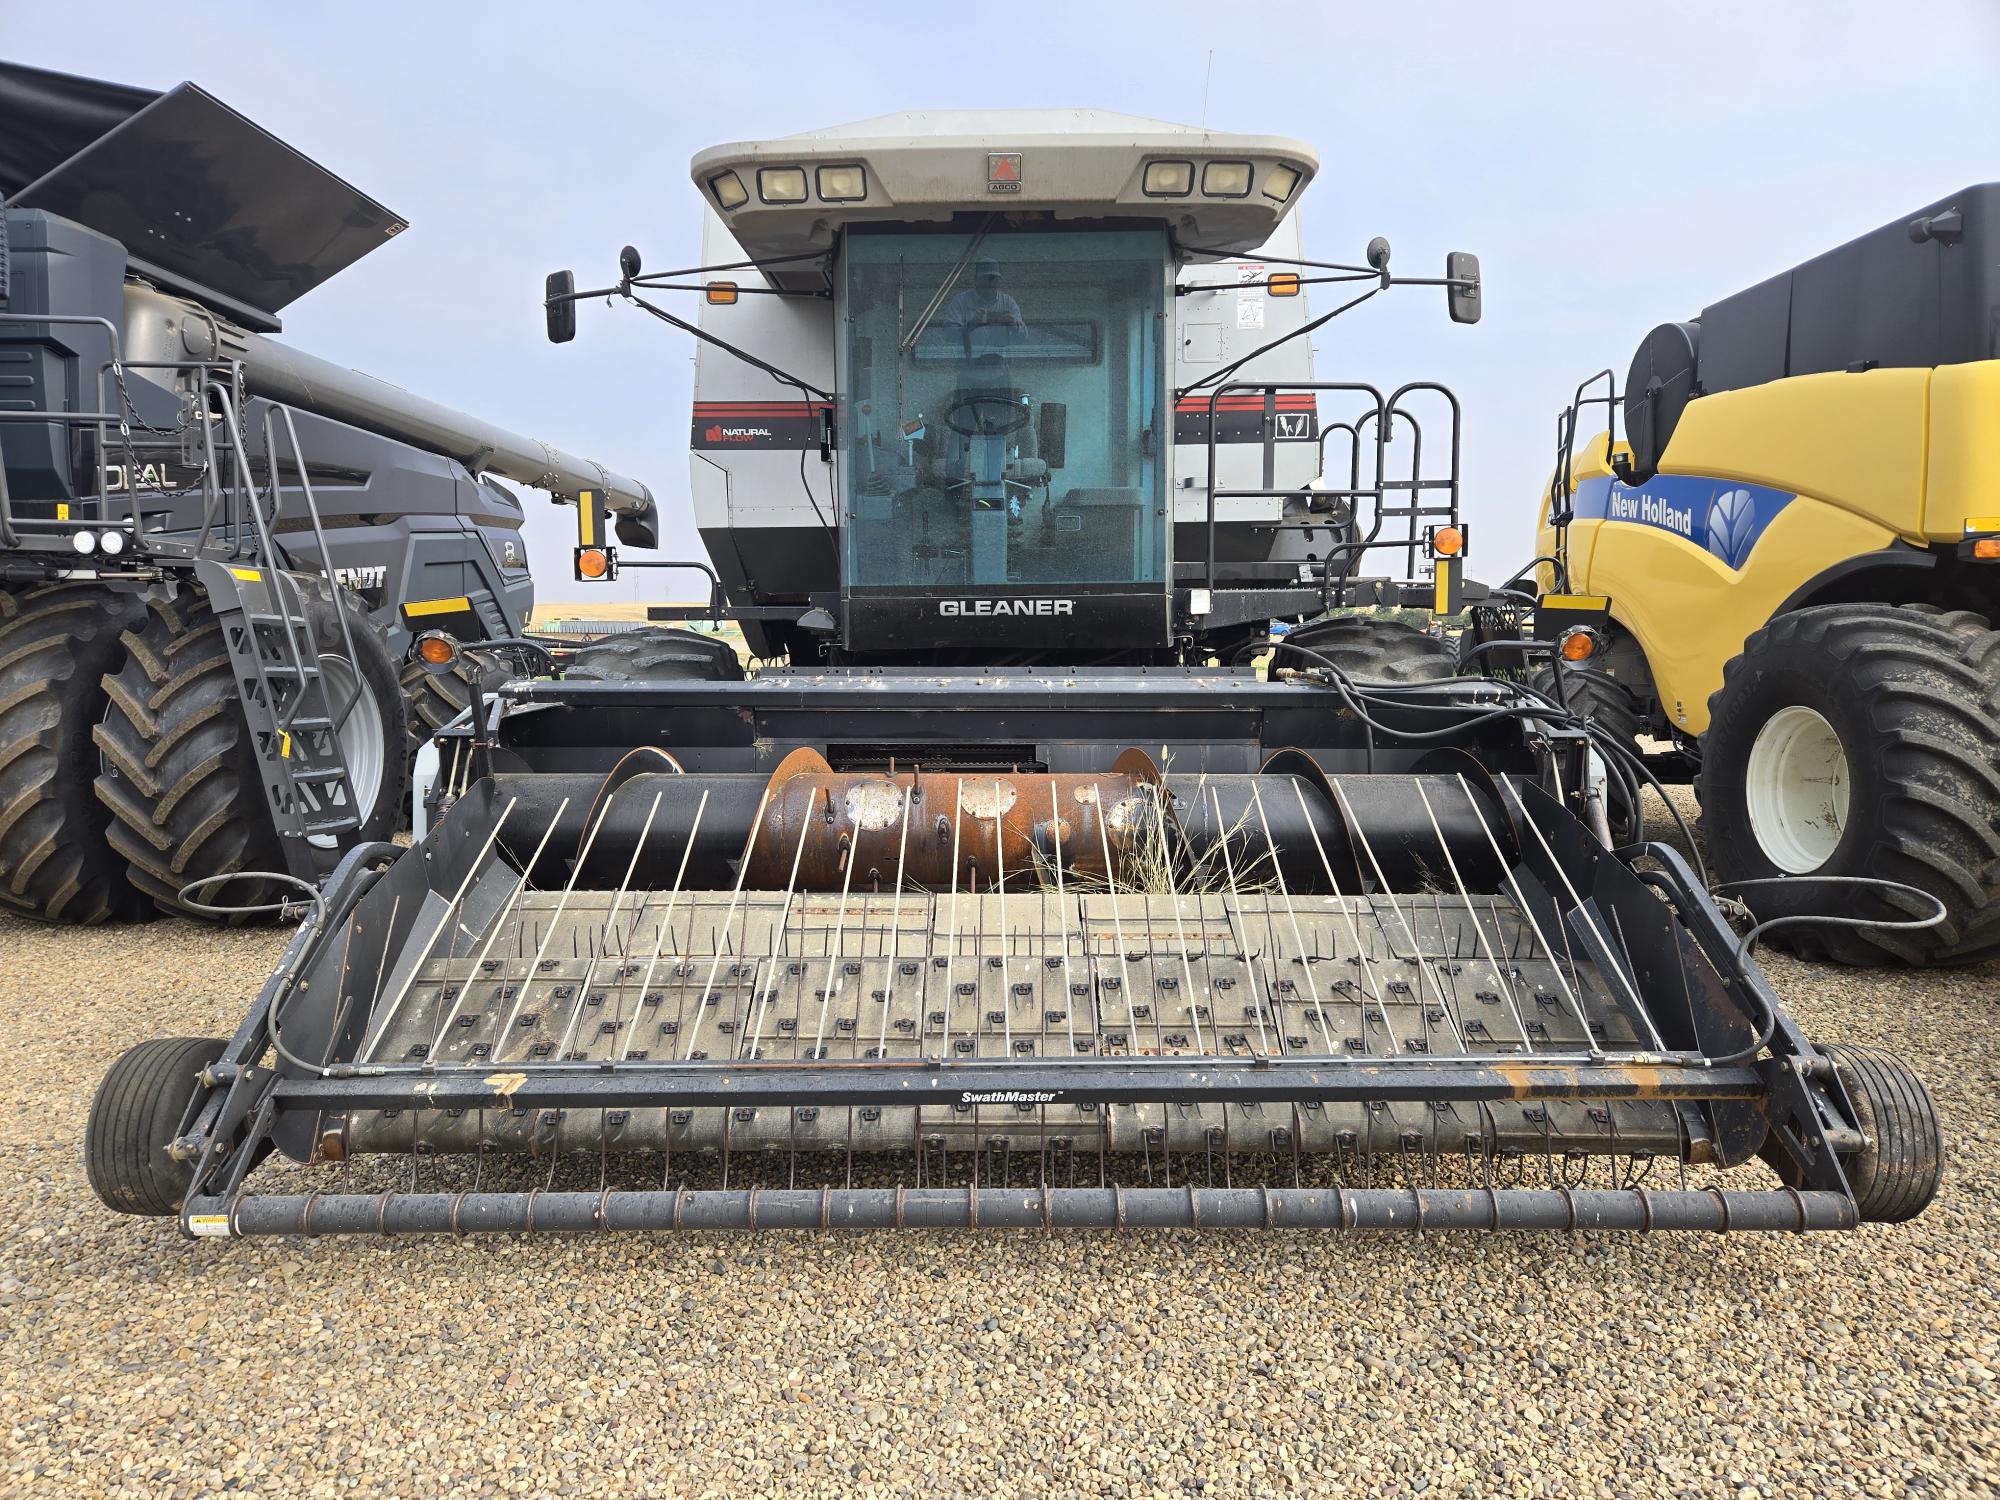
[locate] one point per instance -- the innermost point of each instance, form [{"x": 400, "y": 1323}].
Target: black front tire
[
  {"x": 433, "y": 699},
  {"x": 655, "y": 654},
  {"x": 1897, "y": 1172},
  {"x": 180, "y": 773},
  {"x": 1913, "y": 696},
  {"x": 133, "y": 1118},
  {"x": 1598, "y": 697},
  {"x": 1606, "y": 702},
  {"x": 1367, "y": 648},
  {"x": 56, "y": 643}
]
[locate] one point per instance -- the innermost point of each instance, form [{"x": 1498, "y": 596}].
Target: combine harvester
[
  {"x": 215, "y": 549},
  {"x": 1790, "y": 570},
  {"x": 1016, "y": 893}
]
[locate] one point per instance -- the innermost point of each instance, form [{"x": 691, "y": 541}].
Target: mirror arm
[
  {"x": 1182, "y": 289},
  {"x": 728, "y": 348},
  {"x": 742, "y": 291},
  {"x": 1321, "y": 321},
  {"x": 656, "y": 278},
  {"x": 1361, "y": 273},
  {"x": 603, "y": 291}
]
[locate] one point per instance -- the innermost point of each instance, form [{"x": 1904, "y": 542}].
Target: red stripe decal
[{"x": 1246, "y": 403}]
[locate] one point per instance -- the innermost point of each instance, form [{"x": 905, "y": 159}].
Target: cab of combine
[{"x": 1034, "y": 386}]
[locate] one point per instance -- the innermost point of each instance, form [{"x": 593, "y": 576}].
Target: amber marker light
[{"x": 1579, "y": 644}]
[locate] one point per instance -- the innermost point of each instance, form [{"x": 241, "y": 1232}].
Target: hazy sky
[{"x": 1614, "y": 166}]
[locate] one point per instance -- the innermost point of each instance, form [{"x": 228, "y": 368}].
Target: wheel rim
[
  {"x": 364, "y": 738},
  {"x": 1797, "y": 786}
]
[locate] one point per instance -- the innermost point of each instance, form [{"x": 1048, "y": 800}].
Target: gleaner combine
[{"x": 1012, "y": 890}]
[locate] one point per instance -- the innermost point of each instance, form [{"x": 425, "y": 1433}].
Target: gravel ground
[{"x": 132, "y": 1361}]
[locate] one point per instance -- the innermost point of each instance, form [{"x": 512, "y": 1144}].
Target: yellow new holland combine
[{"x": 1790, "y": 569}]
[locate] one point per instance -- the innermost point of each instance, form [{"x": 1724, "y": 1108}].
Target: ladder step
[{"x": 311, "y": 830}]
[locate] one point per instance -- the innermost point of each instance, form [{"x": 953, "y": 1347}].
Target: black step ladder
[{"x": 265, "y": 606}]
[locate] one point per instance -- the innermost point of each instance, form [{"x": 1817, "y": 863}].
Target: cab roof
[{"x": 929, "y": 165}]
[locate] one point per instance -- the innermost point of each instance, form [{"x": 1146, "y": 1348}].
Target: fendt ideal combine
[
  {"x": 215, "y": 549},
  {"x": 1013, "y": 888}
]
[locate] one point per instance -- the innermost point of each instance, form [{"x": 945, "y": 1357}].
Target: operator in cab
[{"x": 988, "y": 320}]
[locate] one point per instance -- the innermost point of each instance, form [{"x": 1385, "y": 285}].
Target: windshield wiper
[{"x": 937, "y": 298}]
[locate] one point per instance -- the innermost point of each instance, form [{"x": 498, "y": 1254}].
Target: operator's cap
[{"x": 986, "y": 268}]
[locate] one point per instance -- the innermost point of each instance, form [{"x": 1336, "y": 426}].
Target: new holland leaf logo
[{"x": 1732, "y": 526}]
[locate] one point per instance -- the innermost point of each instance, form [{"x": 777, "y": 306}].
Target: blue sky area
[{"x": 1614, "y": 167}]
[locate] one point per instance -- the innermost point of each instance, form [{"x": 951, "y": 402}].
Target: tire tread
[
  {"x": 132, "y": 1120},
  {"x": 1371, "y": 649},
  {"x": 56, "y": 641},
  {"x": 1898, "y": 1172},
  {"x": 1928, "y": 681}
]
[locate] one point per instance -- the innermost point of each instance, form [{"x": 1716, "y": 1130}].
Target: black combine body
[{"x": 215, "y": 549}]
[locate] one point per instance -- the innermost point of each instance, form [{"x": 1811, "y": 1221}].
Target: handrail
[
  {"x": 8, "y": 536},
  {"x": 718, "y": 601},
  {"x": 110, "y": 373},
  {"x": 1353, "y": 431},
  {"x": 1381, "y": 416},
  {"x": 272, "y": 410},
  {"x": 265, "y": 559},
  {"x": 1562, "y": 483},
  {"x": 1269, "y": 387}
]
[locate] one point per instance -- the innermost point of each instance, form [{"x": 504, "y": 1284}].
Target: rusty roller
[
  {"x": 803, "y": 826},
  {"x": 1014, "y": 826}
]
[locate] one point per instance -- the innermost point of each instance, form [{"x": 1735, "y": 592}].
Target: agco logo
[
  {"x": 1043, "y": 608},
  {"x": 717, "y": 433}
]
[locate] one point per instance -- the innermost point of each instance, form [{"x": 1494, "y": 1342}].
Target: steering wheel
[{"x": 1011, "y": 411}]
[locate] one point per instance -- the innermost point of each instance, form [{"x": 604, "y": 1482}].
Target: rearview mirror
[
  {"x": 1461, "y": 270},
  {"x": 559, "y": 303}
]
